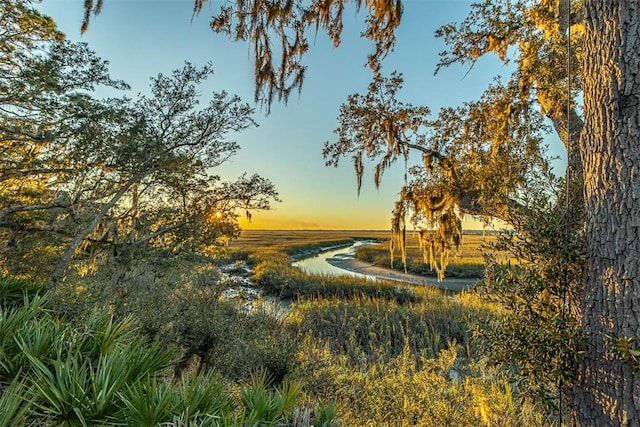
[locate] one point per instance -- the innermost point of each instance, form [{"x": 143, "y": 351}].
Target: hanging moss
[{"x": 441, "y": 231}]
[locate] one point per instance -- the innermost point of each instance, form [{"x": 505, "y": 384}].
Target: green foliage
[
  {"x": 13, "y": 404},
  {"x": 625, "y": 347},
  {"x": 199, "y": 401},
  {"x": 109, "y": 181},
  {"x": 102, "y": 372},
  {"x": 539, "y": 296},
  {"x": 25, "y": 331},
  {"x": 14, "y": 292},
  {"x": 234, "y": 342},
  {"x": 263, "y": 406},
  {"x": 72, "y": 376},
  {"x": 210, "y": 332}
]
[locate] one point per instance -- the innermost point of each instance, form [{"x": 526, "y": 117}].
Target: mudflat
[{"x": 361, "y": 267}]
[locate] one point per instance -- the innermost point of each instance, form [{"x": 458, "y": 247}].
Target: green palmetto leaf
[
  {"x": 39, "y": 339},
  {"x": 82, "y": 384},
  {"x": 148, "y": 403},
  {"x": 203, "y": 398},
  {"x": 16, "y": 292},
  {"x": 23, "y": 330},
  {"x": 145, "y": 360},
  {"x": 106, "y": 333},
  {"x": 196, "y": 400},
  {"x": 60, "y": 389},
  {"x": 263, "y": 406},
  {"x": 13, "y": 401}
]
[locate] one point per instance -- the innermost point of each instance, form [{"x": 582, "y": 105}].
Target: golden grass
[
  {"x": 251, "y": 239},
  {"x": 470, "y": 249}
]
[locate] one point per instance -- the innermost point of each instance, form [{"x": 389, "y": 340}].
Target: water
[{"x": 319, "y": 265}]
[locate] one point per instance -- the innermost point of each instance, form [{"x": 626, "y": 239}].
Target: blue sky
[{"x": 141, "y": 38}]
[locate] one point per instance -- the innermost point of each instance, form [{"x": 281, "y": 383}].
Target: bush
[
  {"x": 214, "y": 334},
  {"x": 102, "y": 372},
  {"x": 540, "y": 295}
]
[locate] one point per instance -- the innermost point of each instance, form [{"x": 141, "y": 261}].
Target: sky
[{"x": 141, "y": 38}]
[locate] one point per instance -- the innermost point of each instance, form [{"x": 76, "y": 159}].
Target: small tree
[{"x": 160, "y": 164}]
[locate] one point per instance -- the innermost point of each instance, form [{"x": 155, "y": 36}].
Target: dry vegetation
[
  {"x": 348, "y": 352},
  {"x": 468, "y": 262},
  {"x": 251, "y": 239}
]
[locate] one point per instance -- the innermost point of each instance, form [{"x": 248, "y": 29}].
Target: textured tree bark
[{"x": 607, "y": 391}]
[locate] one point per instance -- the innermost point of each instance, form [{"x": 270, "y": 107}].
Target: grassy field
[
  {"x": 346, "y": 353},
  {"x": 387, "y": 355},
  {"x": 251, "y": 239},
  {"x": 467, "y": 263}
]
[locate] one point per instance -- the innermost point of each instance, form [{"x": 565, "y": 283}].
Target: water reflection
[{"x": 319, "y": 265}]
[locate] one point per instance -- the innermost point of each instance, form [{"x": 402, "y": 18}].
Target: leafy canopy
[{"x": 90, "y": 180}]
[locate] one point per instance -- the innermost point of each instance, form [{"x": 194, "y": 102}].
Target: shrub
[
  {"x": 364, "y": 329},
  {"x": 540, "y": 297},
  {"x": 102, "y": 372},
  {"x": 13, "y": 292}
]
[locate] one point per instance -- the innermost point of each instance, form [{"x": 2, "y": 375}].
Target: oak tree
[
  {"x": 92, "y": 180},
  {"x": 474, "y": 158},
  {"x": 158, "y": 186},
  {"x": 565, "y": 49},
  {"x": 278, "y": 34}
]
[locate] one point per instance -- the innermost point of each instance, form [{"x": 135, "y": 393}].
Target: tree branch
[
  {"x": 68, "y": 254},
  {"x": 31, "y": 208}
]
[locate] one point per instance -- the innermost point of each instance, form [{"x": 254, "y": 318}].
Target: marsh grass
[
  {"x": 273, "y": 273},
  {"x": 392, "y": 355},
  {"x": 371, "y": 328},
  {"x": 261, "y": 239},
  {"x": 467, "y": 263},
  {"x": 403, "y": 391},
  {"x": 360, "y": 352},
  {"x": 392, "y": 364},
  {"x": 102, "y": 371}
]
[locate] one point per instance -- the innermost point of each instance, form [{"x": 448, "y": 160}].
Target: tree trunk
[
  {"x": 607, "y": 391},
  {"x": 69, "y": 253}
]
